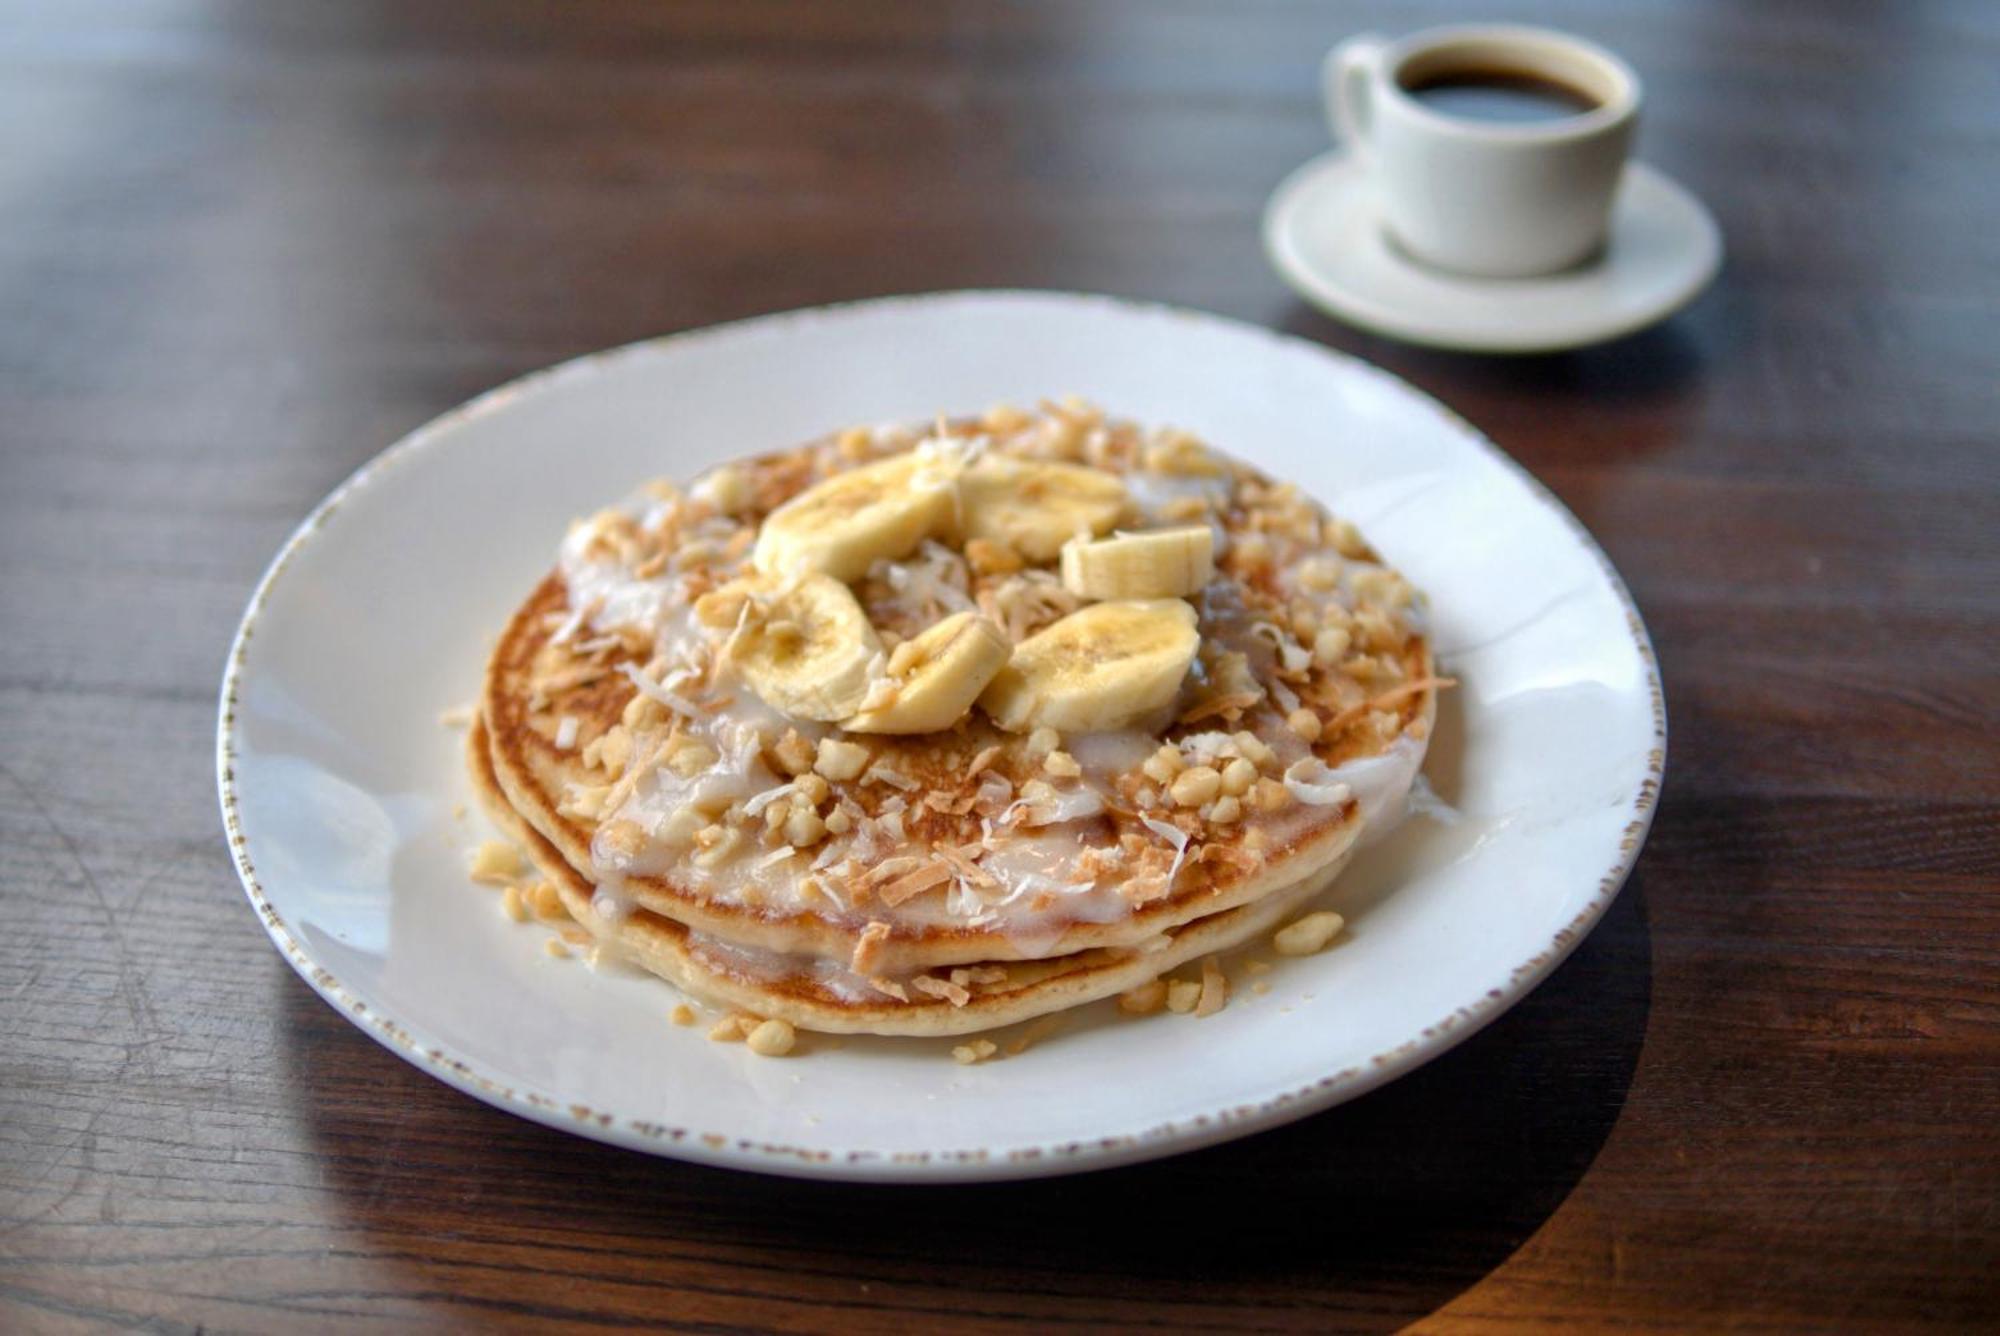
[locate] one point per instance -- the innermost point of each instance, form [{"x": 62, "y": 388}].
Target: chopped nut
[
  {"x": 838, "y": 821},
  {"x": 611, "y": 751},
  {"x": 553, "y": 946},
  {"x": 839, "y": 760},
  {"x": 1062, "y": 765},
  {"x": 496, "y": 863},
  {"x": 1182, "y": 994},
  {"x": 1305, "y": 723},
  {"x": 1196, "y": 785},
  {"x": 1144, "y": 1000},
  {"x": 1043, "y": 741},
  {"x": 1179, "y": 454},
  {"x": 1319, "y": 574},
  {"x": 682, "y": 1014},
  {"x": 1238, "y": 776},
  {"x": 793, "y": 753},
  {"x": 803, "y": 828},
  {"x": 732, "y": 1027},
  {"x": 1330, "y": 645},
  {"x": 726, "y": 488},
  {"x": 1227, "y": 810},
  {"x": 716, "y": 844},
  {"x": 1004, "y": 419},
  {"x": 772, "y": 1039},
  {"x": 1253, "y": 748},
  {"x": 690, "y": 758},
  {"x": 1252, "y": 552},
  {"x": 720, "y": 609},
  {"x": 1268, "y": 795},
  {"x": 979, "y": 1050},
  {"x": 512, "y": 905},
  {"x": 1309, "y": 934},
  {"x": 546, "y": 901},
  {"x": 1186, "y": 509},
  {"x": 1163, "y": 765}
]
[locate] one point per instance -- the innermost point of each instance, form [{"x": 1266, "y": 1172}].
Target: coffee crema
[{"x": 1499, "y": 96}]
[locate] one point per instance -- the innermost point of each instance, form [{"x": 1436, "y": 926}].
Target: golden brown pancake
[{"x": 836, "y": 878}]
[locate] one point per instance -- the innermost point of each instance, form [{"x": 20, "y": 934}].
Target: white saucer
[{"x": 1322, "y": 233}]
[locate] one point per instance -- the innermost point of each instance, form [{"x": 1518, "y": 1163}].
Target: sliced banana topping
[
  {"x": 1164, "y": 563},
  {"x": 1034, "y": 506},
  {"x": 934, "y": 678},
  {"x": 1097, "y": 669},
  {"x": 806, "y": 647},
  {"x": 842, "y": 525}
]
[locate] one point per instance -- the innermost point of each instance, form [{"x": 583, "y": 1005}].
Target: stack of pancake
[{"x": 930, "y": 730}]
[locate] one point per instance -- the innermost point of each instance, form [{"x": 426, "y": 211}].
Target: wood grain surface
[{"x": 243, "y": 246}]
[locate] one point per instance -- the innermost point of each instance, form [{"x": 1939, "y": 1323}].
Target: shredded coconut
[
  {"x": 1173, "y": 835},
  {"x": 1311, "y": 783}
]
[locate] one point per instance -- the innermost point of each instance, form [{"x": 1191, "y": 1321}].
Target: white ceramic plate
[{"x": 338, "y": 782}]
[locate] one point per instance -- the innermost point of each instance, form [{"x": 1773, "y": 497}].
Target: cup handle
[{"x": 1347, "y": 82}]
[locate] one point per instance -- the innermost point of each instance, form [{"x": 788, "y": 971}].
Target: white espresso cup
[{"x": 1491, "y": 198}]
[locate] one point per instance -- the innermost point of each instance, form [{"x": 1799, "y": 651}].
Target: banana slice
[
  {"x": 1165, "y": 563},
  {"x": 807, "y": 648},
  {"x": 842, "y": 525},
  {"x": 1098, "y": 668},
  {"x": 1035, "y": 506},
  {"x": 934, "y": 677}
]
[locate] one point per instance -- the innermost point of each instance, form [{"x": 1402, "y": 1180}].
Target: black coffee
[{"x": 1499, "y": 95}]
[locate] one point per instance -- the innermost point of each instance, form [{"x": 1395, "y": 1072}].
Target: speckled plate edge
[{"x": 953, "y": 1164}]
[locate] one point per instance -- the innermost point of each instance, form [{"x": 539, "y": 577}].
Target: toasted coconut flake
[
  {"x": 1231, "y": 705},
  {"x": 496, "y": 863},
  {"x": 979, "y": 1050},
  {"x": 756, "y": 805},
  {"x": 941, "y": 989},
  {"x": 673, "y": 700},
  {"x": 1214, "y": 988},
  {"x": 978, "y": 975},
  {"x": 1173, "y": 835},
  {"x": 912, "y": 884},
  {"x": 1392, "y": 696},
  {"x": 888, "y": 988},
  {"x": 1310, "y": 782},
  {"x": 965, "y": 863},
  {"x": 985, "y": 758},
  {"x": 868, "y": 947},
  {"x": 885, "y": 774}
]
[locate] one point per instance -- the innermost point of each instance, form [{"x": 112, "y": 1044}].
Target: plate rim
[
  {"x": 960, "y": 1164},
  {"x": 1282, "y": 253}
]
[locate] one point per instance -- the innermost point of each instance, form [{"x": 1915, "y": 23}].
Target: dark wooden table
[{"x": 245, "y": 245}]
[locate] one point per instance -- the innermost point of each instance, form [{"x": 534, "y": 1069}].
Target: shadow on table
[
  {"x": 1653, "y": 364},
  {"x": 1367, "y": 1215}
]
